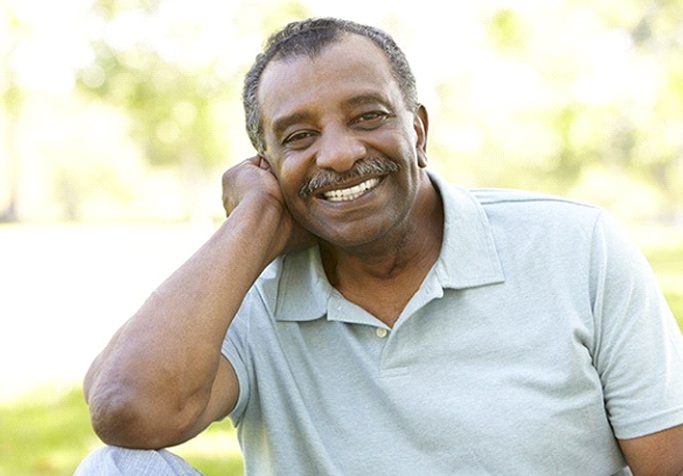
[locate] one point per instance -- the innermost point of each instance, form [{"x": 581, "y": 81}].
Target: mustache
[{"x": 367, "y": 166}]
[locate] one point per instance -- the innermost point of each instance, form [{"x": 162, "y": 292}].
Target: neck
[{"x": 393, "y": 267}]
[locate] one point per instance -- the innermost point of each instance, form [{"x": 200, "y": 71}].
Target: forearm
[{"x": 155, "y": 375}]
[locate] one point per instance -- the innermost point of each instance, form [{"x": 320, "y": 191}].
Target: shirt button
[{"x": 381, "y": 332}]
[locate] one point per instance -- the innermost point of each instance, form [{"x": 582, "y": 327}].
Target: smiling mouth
[{"x": 351, "y": 193}]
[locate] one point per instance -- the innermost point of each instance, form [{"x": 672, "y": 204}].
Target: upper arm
[
  {"x": 658, "y": 453},
  {"x": 223, "y": 398}
]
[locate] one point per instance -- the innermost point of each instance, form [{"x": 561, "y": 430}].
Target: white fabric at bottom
[{"x": 115, "y": 461}]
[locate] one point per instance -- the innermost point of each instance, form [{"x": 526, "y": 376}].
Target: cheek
[
  {"x": 400, "y": 142},
  {"x": 288, "y": 171},
  {"x": 290, "y": 184}
]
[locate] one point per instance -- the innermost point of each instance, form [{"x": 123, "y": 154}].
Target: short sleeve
[
  {"x": 638, "y": 349},
  {"x": 236, "y": 350}
]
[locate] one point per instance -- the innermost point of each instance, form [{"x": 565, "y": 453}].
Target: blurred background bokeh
[{"x": 117, "y": 118}]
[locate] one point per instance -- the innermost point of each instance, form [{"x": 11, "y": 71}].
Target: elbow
[
  {"x": 117, "y": 420},
  {"x": 119, "y": 417}
]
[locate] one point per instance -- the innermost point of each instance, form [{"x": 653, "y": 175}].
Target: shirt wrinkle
[
  {"x": 462, "y": 369},
  {"x": 467, "y": 259}
]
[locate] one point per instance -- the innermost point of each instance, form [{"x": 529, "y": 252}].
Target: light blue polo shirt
[{"x": 538, "y": 335}]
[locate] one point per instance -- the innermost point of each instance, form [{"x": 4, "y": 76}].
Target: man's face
[{"x": 342, "y": 143}]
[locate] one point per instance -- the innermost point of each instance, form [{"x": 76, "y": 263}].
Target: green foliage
[
  {"x": 175, "y": 93},
  {"x": 506, "y": 30},
  {"x": 44, "y": 436},
  {"x": 174, "y": 110},
  {"x": 675, "y": 300},
  {"x": 563, "y": 89},
  {"x": 266, "y": 16},
  {"x": 541, "y": 96},
  {"x": 12, "y": 97},
  {"x": 667, "y": 261}
]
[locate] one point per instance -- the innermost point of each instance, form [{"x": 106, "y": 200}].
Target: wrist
[{"x": 262, "y": 225}]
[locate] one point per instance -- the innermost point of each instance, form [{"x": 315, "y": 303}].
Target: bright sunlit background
[{"x": 118, "y": 117}]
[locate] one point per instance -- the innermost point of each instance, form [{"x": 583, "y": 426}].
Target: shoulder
[
  {"x": 519, "y": 217},
  {"x": 559, "y": 228},
  {"x": 512, "y": 202},
  {"x": 512, "y": 199},
  {"x": 527, "y": 210}
]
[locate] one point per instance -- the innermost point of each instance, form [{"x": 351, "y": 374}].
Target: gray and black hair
[{"x": 310, "y": 37}]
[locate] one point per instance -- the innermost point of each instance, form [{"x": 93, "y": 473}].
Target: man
[{"x": 357, "y": 315}]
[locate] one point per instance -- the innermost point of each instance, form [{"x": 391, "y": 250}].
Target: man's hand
[{"x": 252, "y": 181}]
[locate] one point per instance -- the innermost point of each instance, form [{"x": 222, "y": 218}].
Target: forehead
[{"x": 353, "y": 66}]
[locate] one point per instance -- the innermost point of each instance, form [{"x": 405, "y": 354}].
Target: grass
[
  {"x": 47, "y": 432},
  {"x": 41, "y": 436},
  {"x": 46, "y": 435},
  {"x": 667, "y": 261}
]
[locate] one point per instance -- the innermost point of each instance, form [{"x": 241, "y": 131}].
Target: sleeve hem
[{"x": 662, "y": 421}]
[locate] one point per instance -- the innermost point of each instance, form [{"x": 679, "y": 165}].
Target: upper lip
[{"x": 346, "y": 184}]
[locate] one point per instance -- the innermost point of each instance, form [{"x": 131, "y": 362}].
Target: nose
[{"x": 339, "y": 149}]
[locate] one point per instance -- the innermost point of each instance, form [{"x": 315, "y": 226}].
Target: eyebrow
[
  {"x": 365, "y": 99},
  {"x": 280, "y": 125}
]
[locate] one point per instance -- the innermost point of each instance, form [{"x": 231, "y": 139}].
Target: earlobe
[
  {"x": 421, "y": 124},
  {"x": 263, "y": 162},
  {"x": 422, "y": 159}
]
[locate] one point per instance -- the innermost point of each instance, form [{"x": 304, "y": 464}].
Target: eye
[
  {"x": 371, "y": 120},
  {"x": 299, "y": 139}
]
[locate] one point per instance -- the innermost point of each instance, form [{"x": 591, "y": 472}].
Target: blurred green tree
[
  {"x": 571, "y": 91},
  {"x": 11, "y": 33},
  {"x": 654, "y": 143},
  {"x": 172, "y": 108},
  {"x": 154, "y": 66}
]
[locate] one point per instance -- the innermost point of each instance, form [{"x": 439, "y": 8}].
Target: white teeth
[{"x": 351, "y": 192}]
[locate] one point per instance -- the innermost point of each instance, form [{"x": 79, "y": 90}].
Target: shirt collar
[
  {"x": 468, "y": 254},
  {"x": 303, "y": 290},
  {"x": 468, "y": 259}
]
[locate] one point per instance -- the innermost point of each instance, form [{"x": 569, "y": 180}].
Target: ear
[
  {"x": 266, "y": 161},
  {"x": 421, "y": 125}
]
